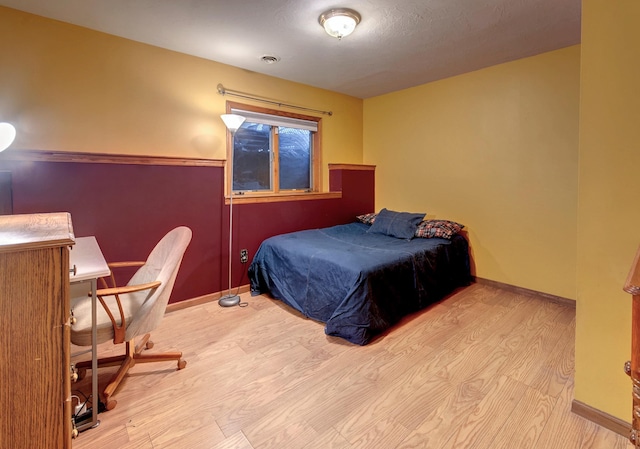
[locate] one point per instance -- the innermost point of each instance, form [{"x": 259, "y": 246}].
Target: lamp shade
[
  {"x": 339, "y": 22},
  {"x": 7, "y": 134},
  {"x": 232, "y": 121}
]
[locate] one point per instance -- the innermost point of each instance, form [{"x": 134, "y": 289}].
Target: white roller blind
[{"x": 277, "y": 120}]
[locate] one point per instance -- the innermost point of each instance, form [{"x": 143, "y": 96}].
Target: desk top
[{"x": 88, "y": 259}]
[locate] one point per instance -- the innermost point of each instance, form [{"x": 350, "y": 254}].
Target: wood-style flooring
[{"x": 486, "y": 368}]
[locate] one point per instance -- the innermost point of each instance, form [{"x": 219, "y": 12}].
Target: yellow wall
[
  {"x": 496, "y": 150},
  {"x": 67, "y": 88},
  {"x": 608, "y": 213}
]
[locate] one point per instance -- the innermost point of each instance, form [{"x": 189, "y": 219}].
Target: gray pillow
[{"x": 401, "y": 225}]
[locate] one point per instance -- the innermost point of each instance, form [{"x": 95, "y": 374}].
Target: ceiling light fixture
[{"x": 339, "y": 22}]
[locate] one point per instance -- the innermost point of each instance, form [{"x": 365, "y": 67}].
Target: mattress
[{"x": 356, "y": 282}]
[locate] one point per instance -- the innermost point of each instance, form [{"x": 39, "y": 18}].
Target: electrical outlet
[{"x": 244, "y": 256}]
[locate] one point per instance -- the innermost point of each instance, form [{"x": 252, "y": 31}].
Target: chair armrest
[
  {"x": 125, "y": 264},
  {"x": 112, "y": 265},
  {"x": 120, "y": 329},
  {"x": 127, "y": 289}
]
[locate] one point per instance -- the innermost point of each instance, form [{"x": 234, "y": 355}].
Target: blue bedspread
[{"x": 357, "y": 283}]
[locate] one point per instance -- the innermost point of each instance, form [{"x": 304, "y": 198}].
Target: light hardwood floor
[{"x": 485, "y": 369}]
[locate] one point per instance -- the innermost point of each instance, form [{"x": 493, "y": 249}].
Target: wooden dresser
[
  {"x": 632, "y": 367},
  {"x": 35, "y": 375}
]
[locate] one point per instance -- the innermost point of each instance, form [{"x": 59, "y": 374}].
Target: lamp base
[{"x": 229, "y": 300}]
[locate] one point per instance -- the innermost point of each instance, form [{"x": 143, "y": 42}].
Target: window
[{"x": 274, "y": 152}]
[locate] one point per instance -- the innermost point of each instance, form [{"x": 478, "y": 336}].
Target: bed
[{"x": 357, "y": 282}]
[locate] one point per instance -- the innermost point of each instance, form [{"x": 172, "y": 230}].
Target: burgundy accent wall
[
  {"x": 130, "y": 207},
  {"x": 252, "y": 223},
  {"x": 358, "y": 190}
]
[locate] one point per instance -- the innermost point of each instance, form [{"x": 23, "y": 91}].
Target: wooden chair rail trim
[
  {"x": 104, "y": 158},
  {"x": 249, "y": 198},
  {"x": 363, "y": 167},
  {"x": 108, "y": 158}
]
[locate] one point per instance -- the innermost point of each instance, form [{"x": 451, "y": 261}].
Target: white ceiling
[{"x": 398, "y": 44}]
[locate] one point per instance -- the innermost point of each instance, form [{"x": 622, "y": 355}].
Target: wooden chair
[
  {"x": 632, "y": 367},
  {"x": 132, "y": 311}
]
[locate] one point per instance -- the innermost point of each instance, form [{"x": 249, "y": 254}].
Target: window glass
[
  {"x": 252, "y": 157},
  {"x": 294, "y": 154}
]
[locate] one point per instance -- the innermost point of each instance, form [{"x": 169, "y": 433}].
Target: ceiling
[{"x": 398, "y": 44}]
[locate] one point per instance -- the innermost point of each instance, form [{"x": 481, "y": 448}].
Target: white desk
[{"x": 87, "y": 264}]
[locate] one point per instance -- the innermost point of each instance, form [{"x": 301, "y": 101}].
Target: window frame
[{"x": 315, "y": 191}]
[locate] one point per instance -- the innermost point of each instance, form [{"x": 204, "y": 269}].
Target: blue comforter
[{"x": 357, "y": 283}]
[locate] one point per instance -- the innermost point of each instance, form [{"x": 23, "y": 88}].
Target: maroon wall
[{"x": 130, "y": 207}]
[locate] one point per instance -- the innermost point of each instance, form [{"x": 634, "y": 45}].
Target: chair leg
[
  {"x": 133, "y": 354},
  {"x": 144, "y": 341},
  {"x": 165, "y": 356},
  {"x": 115, "y": 380},
  {"x": 107, "y": 361},
  {"x": 139, "y": 357}
]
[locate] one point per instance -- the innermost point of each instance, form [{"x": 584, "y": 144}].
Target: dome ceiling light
[{"x": 339, "y": 22}]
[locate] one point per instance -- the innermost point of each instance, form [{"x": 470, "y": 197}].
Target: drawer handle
[{"x": 73, "y": 270}]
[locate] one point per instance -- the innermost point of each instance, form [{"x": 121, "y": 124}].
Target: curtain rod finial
[{"x": 221, "y": 90}]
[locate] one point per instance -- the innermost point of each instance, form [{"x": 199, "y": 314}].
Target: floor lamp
[{"x": 233, "y": 122}]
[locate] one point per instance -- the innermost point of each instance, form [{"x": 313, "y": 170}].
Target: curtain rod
[{"x": 223, "y": 91}]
